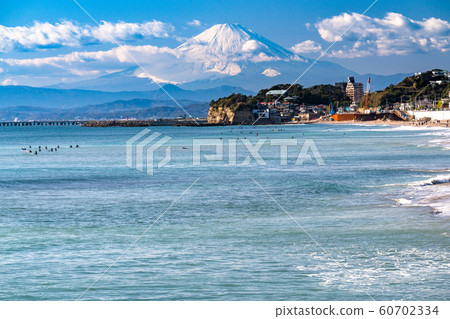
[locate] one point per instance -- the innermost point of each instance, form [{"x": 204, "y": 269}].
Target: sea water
[{"x": 373, "y": 222}]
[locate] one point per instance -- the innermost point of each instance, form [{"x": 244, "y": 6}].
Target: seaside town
[{"x": 280, "y": 108}]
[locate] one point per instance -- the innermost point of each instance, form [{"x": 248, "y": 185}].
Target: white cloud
[
  {"x": 251, "y": 45},
  {"x": 44, "y": 35},
  {"x": 156, "y": 79},
  {"x": 299, "y": 59},
  {"x": 226, "y": 68},
  {"x": 262, "y": 57},
  {"x": 194, "y": 23},
  {"x": 143, "y": 54},
  {"x": 350, "y": 53},
  {"x": 129, "y": 31},
  {"x": 394, "y": 34},
  {"x": 91, "y": 64},
  {"x": 270, "y": 72},
  {"x": 307, "y": 46},
  {"x": 9, "y": 82}
]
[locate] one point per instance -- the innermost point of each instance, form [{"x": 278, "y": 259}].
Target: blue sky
[{"x": 286, "y": 22}]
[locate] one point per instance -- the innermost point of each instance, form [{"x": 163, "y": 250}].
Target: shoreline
[
  {"x": 202, "y": 122},
  {"x": 393, "y": 123}
]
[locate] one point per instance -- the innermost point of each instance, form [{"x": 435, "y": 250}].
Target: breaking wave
[
  {"x": 433, "y": 192},
  {"x": 440, "y": 179}
]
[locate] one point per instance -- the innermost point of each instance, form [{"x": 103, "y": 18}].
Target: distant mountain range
[
  {"x": 29, "y": 103},
  {"x": 64, "y": 99},
  {"x": 121, "y": 109}
]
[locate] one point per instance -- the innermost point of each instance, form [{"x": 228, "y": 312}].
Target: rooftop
[{"x": 276, "y": 92}]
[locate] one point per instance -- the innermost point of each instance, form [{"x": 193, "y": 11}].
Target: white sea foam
[
  {"x": 433, "y": 192},
  {"x": 441, "y": 143},
  {"x": 442, "y": 132},
  {"x": 404, "y": 201},
  {"x": 440, "y": 179},
  {"x": 367, "y": 270},
  {"x": 370, "y": 125},
  {"x": 395, "y": 128},
  {"x": 443, "y": 140},
  {"x": 411, "y": 128},
  {"x": 394, "y": 185}
]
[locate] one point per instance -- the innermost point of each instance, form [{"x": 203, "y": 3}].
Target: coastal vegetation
[
  {"x": 314, "y": 95},
  {"x": 412, "y": 88},
  {"x": 231, "y": 109},
  {"x": 317, "y": 94}
]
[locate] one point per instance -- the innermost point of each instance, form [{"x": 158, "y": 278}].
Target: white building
[
  {"x": 262, "y": 113},
  {"x": 355, "y": 91}
]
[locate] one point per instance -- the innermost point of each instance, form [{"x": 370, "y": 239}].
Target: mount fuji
[{"x": 226, "y": 54}]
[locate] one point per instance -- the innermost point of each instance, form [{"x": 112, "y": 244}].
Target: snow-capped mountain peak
[{"x": 233, "y": 41}]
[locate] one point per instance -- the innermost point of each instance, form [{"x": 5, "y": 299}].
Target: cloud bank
[
  {"x": 394, "y": 34},
  {"x": 195, "y": 23},
  {"x": 270, "y": 72},
  {"x": 8, "y": 82},
  {"x": 44, "y": 35},
  {"x": 307, "y": 46},
  {"x": 93, "y": 62}
]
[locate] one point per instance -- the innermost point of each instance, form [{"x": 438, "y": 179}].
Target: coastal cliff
[{"x": 235, "y": 109}]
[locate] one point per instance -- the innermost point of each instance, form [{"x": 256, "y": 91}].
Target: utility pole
[{"x": 434, "y": 101}]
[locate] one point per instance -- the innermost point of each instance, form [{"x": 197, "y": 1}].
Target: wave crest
[{"x": 440, "y": 179}]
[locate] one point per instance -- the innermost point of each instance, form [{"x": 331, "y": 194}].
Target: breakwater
[
  {"x": 42, "y": 123},
  {"x": 144, "y": 123}
]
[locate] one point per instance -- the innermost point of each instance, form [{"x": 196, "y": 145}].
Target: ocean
[{"x": 372, "y": 223}]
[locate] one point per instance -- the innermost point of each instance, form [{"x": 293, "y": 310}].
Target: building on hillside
[
  {"x": 355, "y": 91},
  {"x": 438, "y": 82},
  {"x": 261, "y": 113},
  {"x": 341, "y": 85},
  {"x": 276, "y": 92},
  {"x": 438, "y": 72},
  {"x": 290, "y": 99}
]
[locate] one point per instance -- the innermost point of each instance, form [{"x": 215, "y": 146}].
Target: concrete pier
[
  {"x": 145, "y": 123},
  {"x": 43, "y": 123}
]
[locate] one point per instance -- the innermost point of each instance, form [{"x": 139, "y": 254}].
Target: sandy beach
[{"x": 388, "y": 122}]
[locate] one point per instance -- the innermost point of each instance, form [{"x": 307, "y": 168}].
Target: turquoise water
[{"x": 379, "y": 208}]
